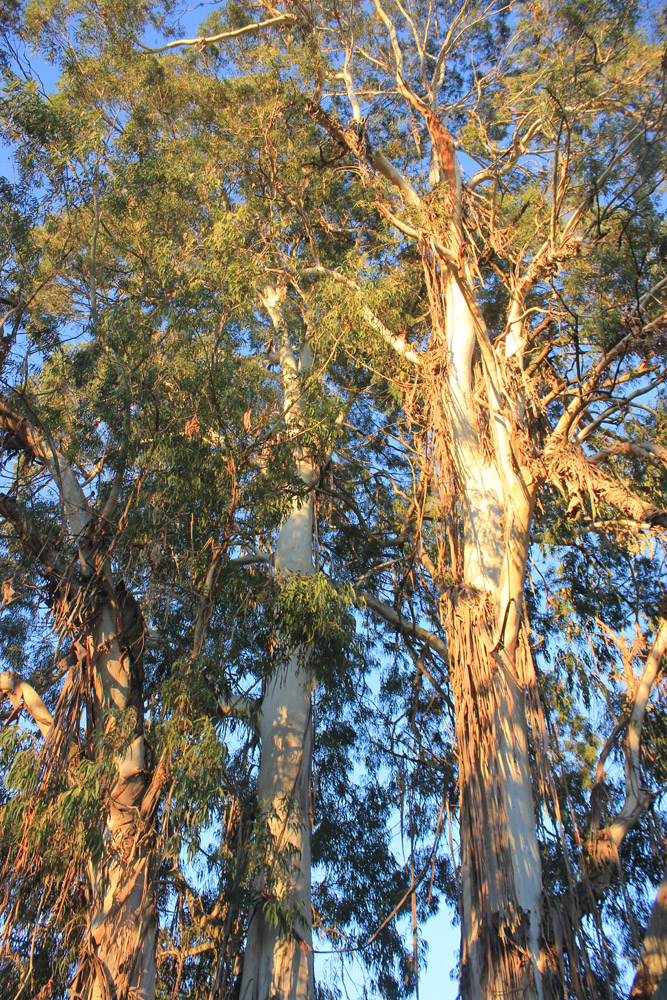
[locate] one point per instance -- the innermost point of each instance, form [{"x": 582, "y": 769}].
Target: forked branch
[
  {"x": 21, "y": 694},
  {"x": 638, "y": 799}
]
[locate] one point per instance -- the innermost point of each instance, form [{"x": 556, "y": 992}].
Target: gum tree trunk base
[{"x": 501, "y": 878}]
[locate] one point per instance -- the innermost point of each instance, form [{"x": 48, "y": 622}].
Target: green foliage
[
  {"x": 314, "y": 615},
  {"x": 156, "y": 193}
]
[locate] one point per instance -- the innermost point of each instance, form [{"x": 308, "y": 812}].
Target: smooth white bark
[
  {"x": 481, "y": 493},
  {"x": 278, "y": 963},
  {"x": 650, "y": 981}
]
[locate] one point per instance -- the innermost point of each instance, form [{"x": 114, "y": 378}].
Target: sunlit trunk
[
  {"x": 279, "y": 959},
  {"x": 278, "y": 963},
  {"x": 105, "y": 625},
  {"x": 121, "y": 957},
  {"x": 501, "y": 876},
  {"x": 501, "y": 879},
  {"x": 651, "y": 977}
]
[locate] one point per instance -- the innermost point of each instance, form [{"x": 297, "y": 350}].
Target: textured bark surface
[
  {"x": 651, "y": 978},
  {"x": 501, "y": 874},
  {"x": 501, "y": 879},
  {"x": 105, "y": 628},
  {"x": 120, "y": 961}
]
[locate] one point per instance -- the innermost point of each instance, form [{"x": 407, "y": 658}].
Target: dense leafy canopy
[{"x": 157, "y": 194}]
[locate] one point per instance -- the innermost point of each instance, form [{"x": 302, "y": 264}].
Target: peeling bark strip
[
  {"x": 482, "y": 476},
  {"x": 582, "y": 480},
  {"x": 499, "y": 851},
  {"x": 124, "y": 919},
  {"x": 106, "y": 632},
  {"x": 487, "y": 432}
]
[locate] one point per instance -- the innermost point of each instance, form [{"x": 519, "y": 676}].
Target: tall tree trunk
[
  {"x": 279, "y": 958},
  {"x": 501, "y": 878},
  {"x": 121, "y": 958},
  {"x": 650, "y": 981},
  {"x": 501, "y": 875},
  {"x": 118, "y": 960}
]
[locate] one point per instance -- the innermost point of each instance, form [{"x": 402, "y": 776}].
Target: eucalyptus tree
[
  {"x": 156, "y": 250},
  {"x": 504, "y": 287},
  {"x": 107, "y": 432},
  {"x": 542, "y": 279}
]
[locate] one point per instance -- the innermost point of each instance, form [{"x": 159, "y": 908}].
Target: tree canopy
[{"x": 334, "y": 498}]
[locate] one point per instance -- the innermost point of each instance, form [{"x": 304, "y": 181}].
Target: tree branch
[
  {"x": 252, "y": 559},
  {"x": 223, "y": 35},
  {"x": 403, "y": 624},
  {"x": 638, "y": 799},
  {"x": 23, "y": 436},
  {"x": 117, "y": 484},
  {"x": 388, "y": 170},
  {"x": 51, "y": 559},
  {"x": 18, "y": 692},
  {"x": 578, "y": 477},
  {"x": 632, "y": 449},
  {"x": 396, "y": 343},
  {"x": 349, "y": 140},
  {"x": 417, "y": 234}
]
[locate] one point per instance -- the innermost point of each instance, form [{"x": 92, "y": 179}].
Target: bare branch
[
  {"x": 510, "y": 156},
  {"x": 652, "y": 292},
  {"x": 391, "y": 30},
  {"x": 388, "y": 170},
  {"x": 638, "y": 799},
  {"x": 614, "y": 408},
  {"x": 402, "y": 623},
  {"x": 417, "y": 234},
  {"x": 632, "y": 449},
  {"x": 346, "y": 139},
  {"x": 117, "y": 484},
  {"x": 252, "y": 559},
  {"x": 247, "y": 29}
]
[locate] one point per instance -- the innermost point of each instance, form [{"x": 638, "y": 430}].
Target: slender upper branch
[
  {"x": 402, "y": 623},
  {"x": 247, "y": 29},
  {"x": 117, "y": 484}
]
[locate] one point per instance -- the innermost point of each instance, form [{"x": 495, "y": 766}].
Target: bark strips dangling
[{"x": 104, "y": 692}]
